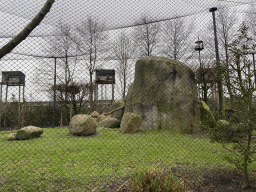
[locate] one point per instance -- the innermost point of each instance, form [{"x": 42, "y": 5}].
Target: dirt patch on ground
[
  {"x": 216, "y": 180},
  {"x": 202, "y": 180}
]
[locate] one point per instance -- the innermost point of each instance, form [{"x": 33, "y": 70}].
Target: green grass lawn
[{"x": 58, "y": 161}]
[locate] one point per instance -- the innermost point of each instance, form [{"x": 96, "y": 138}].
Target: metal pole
[
  {"x": 6, "y": 95},
  {"x": 215, "y": 33},
  {"x": 202, "y": 91},
  {"x": 200, "y": 60},
  {"x": 19, "y": 115},
  {"x": 1, "y": 105},
  {"x": 54, "y": 93},
  {"x": 219, "y": 79},
  {"x": 23, "y": 106},
  {"x": 96, "y": 97},
  {"x": 113, "y": 92}
]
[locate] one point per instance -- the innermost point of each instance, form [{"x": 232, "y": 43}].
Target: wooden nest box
[
  {"x": 13, "y": 78},
  {"x": 105, "y": 76}
]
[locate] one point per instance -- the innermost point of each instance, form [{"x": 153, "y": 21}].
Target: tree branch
[{"x": 27, "y": 30}]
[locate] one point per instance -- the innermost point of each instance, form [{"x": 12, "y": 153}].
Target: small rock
[
  {"x": 130, "y": 123},
  {"x": 29, "y": 132},
  {"x": 11, "y": 136},
  {"x": 94, "y": 114},
  {"x": 222, "y": 122},
  {"x": 101, "y": 117},
  {"x": 109, "y": 123},
  {"x": 82, "y": 125}
]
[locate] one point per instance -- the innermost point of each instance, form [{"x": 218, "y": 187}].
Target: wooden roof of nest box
[
  {"x": 105, "y": 76},
  {"x": 199, "y": 45},
  {"x": 13, "y": 78}
]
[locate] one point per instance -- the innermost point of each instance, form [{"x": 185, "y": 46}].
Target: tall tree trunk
[
  {"x": 205, "y": 89},
  {"x": 91, "y": 91},
  {"x": 27, "y": 30},
  {"x": 228, "y": 83}
]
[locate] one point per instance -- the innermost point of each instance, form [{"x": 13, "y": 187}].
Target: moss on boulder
[
  {"x": 11, "y": 136},
  {"x": 164, "y": 95},
  {"x": 207, "y": 118},
  {"x": 130, "y": 123},
  {"x": 109, "y": 123},
  {"x": 222, "y": 123},
  {"x": 101, "y": 117},
  {"x": 82, "y": 125},
  {"x": 29, "y": 132}
]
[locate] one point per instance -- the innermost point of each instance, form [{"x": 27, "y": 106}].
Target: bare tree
[
  {"x": 91, "y": 43},
  {"x": 226, "y": 29},
  {"x": 176, "y": 34},
  {"x": 251, "y": 17},
  {"x": 72, "y": 94},
  {"x": 123, "y": 50},
  {"x": 226, "y": 24},
  {"x": 146, "y": 35},
  {"x": 64, "y": 47},
  {"x": 27, "y": 30},
  {"x": 65, "y": 50}
]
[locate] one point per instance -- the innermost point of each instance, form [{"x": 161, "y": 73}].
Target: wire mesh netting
[{"x": 152, "y": 95}]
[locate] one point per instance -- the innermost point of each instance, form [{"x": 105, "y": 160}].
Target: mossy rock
[
  {"x": 82, "y": 125},
  {"x": 11, "y": 136},
  {"x": 164, "y": 95},
  {"x": 94, "y": 114},
  {"x": 29, "y": 132},
  {"x": 207, "y": 118},
  {"x": 222, "y": 123},
  {"x": 130, "y": 123},
  {"x": 101, "y": 117},
  {"x": 109, "y": 123}
]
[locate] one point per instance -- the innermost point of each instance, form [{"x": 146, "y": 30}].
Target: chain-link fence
[{"x": 127, "y": 95}]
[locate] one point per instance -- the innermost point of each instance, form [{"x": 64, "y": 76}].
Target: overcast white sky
[
  {"x": 115, "y": 13},
  {"x": 15, "y": 14}
]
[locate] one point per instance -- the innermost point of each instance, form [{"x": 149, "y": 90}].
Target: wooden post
[
  {"x": 1, "y": 106},
  {"x": 23, "y": 107},
  {"x": 6, "y": 94},
  {"x": 19, "y": 115},
  {"x": 113, "y": 91},
  {"x": 105, "y": 87},
  {"x": 101, "y": 92},
  {"x": 96, "y": 95}
]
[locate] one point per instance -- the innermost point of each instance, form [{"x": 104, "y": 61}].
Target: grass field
[{"x": 58, "y": 161}]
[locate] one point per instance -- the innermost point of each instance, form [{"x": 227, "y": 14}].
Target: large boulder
[
  {"x": 82, "y": 125},
  {"x": 119, "y": 113},
  {"x": 109, "y": 123},
  {"x": 164, "y": 95},
  {"x": 130, "y": 123},
  {"x": 207, "y": 118},
  {"x": 29, "y": 132}
]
